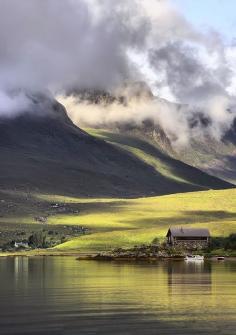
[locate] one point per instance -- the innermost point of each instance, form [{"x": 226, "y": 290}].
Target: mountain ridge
[
  {"x": 215, "y": 156},
  {"x": 46, "y": 153}
]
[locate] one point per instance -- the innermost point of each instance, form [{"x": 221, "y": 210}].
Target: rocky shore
[{"x": 137, "y": 253}]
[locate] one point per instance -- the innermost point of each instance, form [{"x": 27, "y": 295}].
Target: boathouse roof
[{"x": 191, "y": 232}]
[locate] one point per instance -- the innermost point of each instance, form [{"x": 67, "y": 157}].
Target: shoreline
[
  {"x": 95, "y": 256},
  {"x": 145, "y": 259}
]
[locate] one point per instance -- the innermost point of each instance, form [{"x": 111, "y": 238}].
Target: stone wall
[{"x": 191, "y": 245}]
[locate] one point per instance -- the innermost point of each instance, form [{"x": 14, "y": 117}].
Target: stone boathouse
[{"x": 188, "y": 238}]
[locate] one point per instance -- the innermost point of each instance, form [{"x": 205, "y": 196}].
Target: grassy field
[{"x": 126, "y": 222}]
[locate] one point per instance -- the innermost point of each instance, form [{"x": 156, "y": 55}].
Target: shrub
[
  {"x": 156, "y": 241},
  {"x": 230, "y": 242},
  {"x": 37, "y": 240},
  {"x": 226, "y": 243}
]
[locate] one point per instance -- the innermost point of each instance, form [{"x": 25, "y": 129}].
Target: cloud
[
  {"x": 133, "y": 110},
  {"x": 13, "y": 104},
  {"x": 73, "y": 45},
  {"x": 64, "y": 44}
]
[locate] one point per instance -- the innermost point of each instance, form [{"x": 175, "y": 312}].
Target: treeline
[{"x": 226, "y": 243}]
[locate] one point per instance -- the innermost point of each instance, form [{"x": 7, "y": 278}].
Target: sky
[{"x": 217, "y": 14}]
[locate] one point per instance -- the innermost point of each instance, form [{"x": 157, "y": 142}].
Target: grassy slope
[
  {"x": 150, "y": 153},
  {"x": 115, "y": 223},
  {"x": 138, "y": 148},
  {"x": 126, "y": 222},
  {"x": 214, "y": 157}
]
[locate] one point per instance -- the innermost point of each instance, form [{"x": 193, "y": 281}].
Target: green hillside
[
  {"x": 53, "y": 174},
  {"x": 152, "y": 154},
  {"x": 129, "y": 222},
  {"x": 124, "y": 222}
]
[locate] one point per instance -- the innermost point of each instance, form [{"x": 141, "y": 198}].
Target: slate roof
[{"x": 191, "y": 232}]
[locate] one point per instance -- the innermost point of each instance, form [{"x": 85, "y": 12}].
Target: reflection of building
[
  {"x": 188, "y": 277},
  {"x": 188, "y": 238}
]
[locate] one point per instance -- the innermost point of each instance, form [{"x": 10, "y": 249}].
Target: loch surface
[{"x": 60, "y": 295}]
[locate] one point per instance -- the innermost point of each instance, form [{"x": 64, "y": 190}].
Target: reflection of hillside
[
  {"x": 138, "y": 286},
  {"x": 148, "y": 287},
  {"x": 80, "y": 295},
  {"x": 187, "y": 277}
]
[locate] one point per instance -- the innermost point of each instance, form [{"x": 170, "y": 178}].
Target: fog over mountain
[{"x": 100, "y": 44}]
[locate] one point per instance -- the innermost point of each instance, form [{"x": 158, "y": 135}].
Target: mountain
[
  {"x": 42, "y": 151},
  {"x": 153, "y": 154},
  {"x": 214, "y": 156}
]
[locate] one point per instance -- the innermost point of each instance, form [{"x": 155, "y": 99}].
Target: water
[{"x": 59, "y": 295}]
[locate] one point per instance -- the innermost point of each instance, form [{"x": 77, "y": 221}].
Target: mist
[
  {"x": 176, "y": 120},
  {"x": 13, "y": 104},
  {"x": 67, "y": 46}
]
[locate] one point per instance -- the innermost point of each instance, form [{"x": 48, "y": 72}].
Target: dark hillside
[{"x": 45, "y": 152}]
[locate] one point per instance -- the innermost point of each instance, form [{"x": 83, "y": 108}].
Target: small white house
[{"x": 21, "y": 244}]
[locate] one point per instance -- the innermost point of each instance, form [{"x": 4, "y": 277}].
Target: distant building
[
  {"x": 188, "y": 238},
  {"x": 21, "y": 244}
]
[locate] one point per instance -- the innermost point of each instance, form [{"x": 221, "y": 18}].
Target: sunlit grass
[
  {"x": 130, "y": 145},
  {"x": 141, "y": 220},
  {"x": 127, "y": 222},
  {"x": 63, "y": 199}
]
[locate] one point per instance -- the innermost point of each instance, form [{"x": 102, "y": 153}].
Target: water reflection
[
  {"x": 56, "y": 295},
  {"x": 186, "y": 277}
]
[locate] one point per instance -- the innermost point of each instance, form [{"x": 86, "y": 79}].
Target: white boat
[{"x": 194, "y": 258}]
